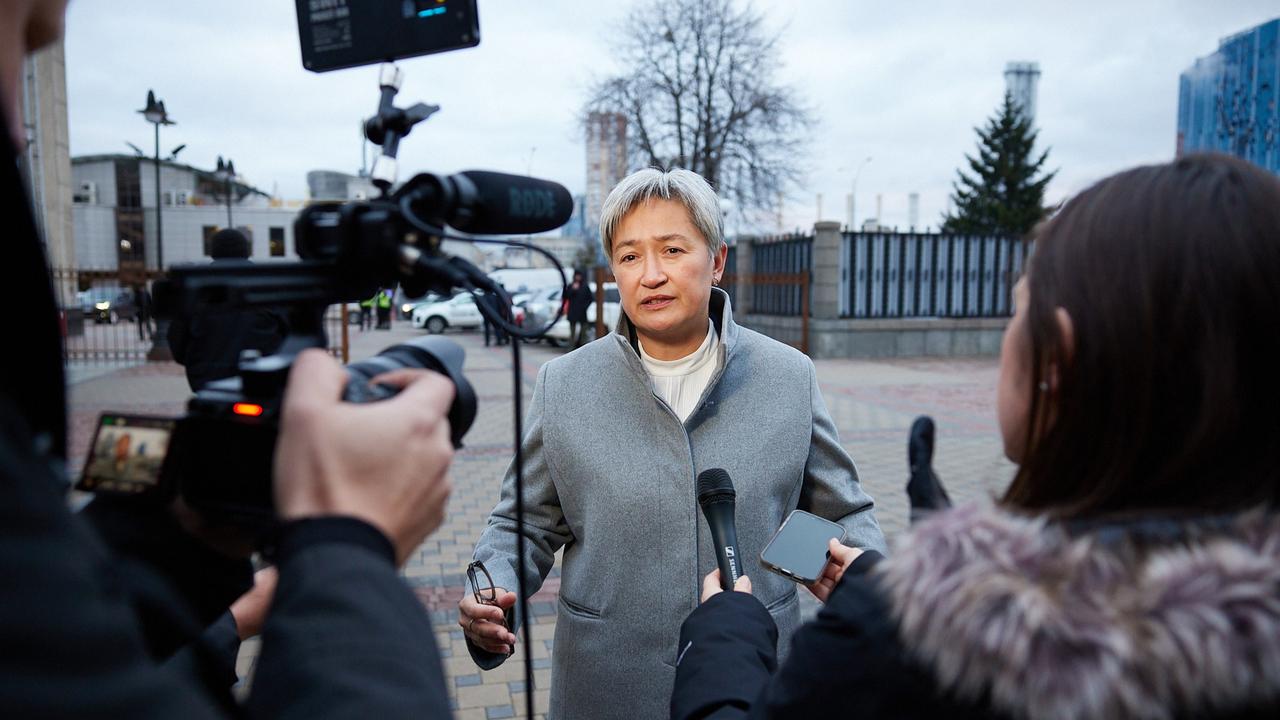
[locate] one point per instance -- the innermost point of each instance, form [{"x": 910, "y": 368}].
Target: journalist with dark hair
[
  {"x": 1132, "y": 569},
  {"x": 358, "y": 487}
]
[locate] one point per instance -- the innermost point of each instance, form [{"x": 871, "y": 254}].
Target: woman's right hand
[
  {"x": 842, "y": 556},
  {"x": 485, "y": 625}
]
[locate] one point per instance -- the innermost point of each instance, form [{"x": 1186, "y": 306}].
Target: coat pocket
[
  {"x": 580, "y": 610},
  {"x": 782, "y": 603}
]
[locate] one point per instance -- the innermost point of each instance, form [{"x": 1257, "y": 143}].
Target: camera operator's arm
[
  {"x": 70, "y": 638},
  {"x": 360, "y": 487}
]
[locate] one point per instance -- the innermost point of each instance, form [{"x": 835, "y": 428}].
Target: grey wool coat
[{"x": 610, "y": 475}]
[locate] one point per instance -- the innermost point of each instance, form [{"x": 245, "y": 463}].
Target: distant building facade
[
  {"x": 1021, "y": 81},
  {"x": 332, "y": 185},
  {"x": 114, "y": 213},
  {"x": 577, "y": 225},
  {"x": 1227, "y": 101},
  {"x": 46, "y": 161},
  {"x": 606, "y": 163}
]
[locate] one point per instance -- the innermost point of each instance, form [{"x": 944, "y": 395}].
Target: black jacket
[
  {"x": 345, "y": 636},
  {"x": 579, "y": 300},
  {"x": 208, "y": 344},
  {"x": 984, "y": 614}
]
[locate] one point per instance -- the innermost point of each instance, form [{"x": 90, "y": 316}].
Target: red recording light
[{"x": 247, "y": 409}]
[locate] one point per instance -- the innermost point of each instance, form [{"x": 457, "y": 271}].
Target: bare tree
[{"x": 698, "y": 92}]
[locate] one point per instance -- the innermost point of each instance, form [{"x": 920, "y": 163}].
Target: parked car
[
  {"x": 107, "y": 305},
  {"x": 406, "y": 305},
  {"x": 559, "y": 336},
  {"x": 542, "y": 306},
  {"x": 458, "y": 311}
]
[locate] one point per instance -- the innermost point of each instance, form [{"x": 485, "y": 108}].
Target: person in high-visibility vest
[
  {"x": 366, "y": 312},
  {"x": 383, "y": 300}
]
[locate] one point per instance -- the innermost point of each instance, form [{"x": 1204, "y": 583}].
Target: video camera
[{"x": 219, "y": 456}]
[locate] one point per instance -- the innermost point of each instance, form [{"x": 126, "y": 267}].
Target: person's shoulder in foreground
[{"x": 981, "y": 613}]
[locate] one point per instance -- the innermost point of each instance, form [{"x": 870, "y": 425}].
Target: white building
[
  {"x": 114, "y": 213},
  {"x": 337, "y": 185},
  {"x": 46, "y": 160}
]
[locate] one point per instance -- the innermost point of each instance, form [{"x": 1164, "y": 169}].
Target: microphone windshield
[
  {"x": 714, "y": 484},
  {"x": 514, "y": 204}
]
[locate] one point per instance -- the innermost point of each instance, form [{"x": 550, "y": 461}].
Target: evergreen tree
[{"x": 1003, "y": 195}]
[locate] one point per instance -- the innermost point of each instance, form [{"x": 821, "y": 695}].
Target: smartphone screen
[
  {"x": 799, "y": 549},
  {"x": 127, "y": 454}
]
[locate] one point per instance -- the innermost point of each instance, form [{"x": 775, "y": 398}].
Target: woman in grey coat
[{"x": 618, "y": 432}]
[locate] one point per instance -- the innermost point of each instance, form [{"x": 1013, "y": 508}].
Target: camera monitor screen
[
  {"x": 338, "y": 34},
  {"x": 127, "y": 454}
]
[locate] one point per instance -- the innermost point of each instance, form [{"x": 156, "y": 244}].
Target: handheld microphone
[
  {"x": 716, "y": 496},
  {"x": 491, "y": 203}
]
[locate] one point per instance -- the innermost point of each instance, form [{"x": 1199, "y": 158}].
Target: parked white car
[
  {"x": 459, "y": 311},
  {"x": 559, "y": 333},
  {"x": 541, "y": 307}
]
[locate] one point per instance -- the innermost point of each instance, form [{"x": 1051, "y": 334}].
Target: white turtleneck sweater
[{"x": 681, "y": 382}]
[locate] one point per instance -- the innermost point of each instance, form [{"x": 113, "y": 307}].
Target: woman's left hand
[{"x": 711, "y": 585}]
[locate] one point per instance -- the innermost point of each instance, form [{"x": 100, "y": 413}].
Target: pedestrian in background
[
  {"x": 576, "y": 304},
  {"x": 500, "y": 336},
  {"x": 366, "y": 313},
  {"x": 142, "y": 312},
  {"x": 383, "y": 302}
]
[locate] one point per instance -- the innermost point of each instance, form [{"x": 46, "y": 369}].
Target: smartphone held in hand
[{"x": 799, "y": 549}]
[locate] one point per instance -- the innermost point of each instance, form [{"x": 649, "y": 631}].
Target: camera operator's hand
[
  {"x": 485, "y": 625},
  {"x": 385, "y": 462},
  {"x": 250, "y": 610}
]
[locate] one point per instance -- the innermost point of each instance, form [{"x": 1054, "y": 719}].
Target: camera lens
[{"x": 429, "y": 353}]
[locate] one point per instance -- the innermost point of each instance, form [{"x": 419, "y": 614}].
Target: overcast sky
[{"x": 903, "y": 83}]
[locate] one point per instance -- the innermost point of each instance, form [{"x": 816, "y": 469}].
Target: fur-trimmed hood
[{"x": 1044, "y": 623}]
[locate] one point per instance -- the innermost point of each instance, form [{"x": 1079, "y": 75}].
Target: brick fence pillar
[
  {"x": 742, "y": 273},
  {"x": 826, "y": 270}
]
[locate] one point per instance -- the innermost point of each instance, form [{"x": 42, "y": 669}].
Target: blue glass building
[{"x": 1227, "y": 101}]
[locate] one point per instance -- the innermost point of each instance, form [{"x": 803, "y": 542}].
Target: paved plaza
[{"x": 873, "y": 404}]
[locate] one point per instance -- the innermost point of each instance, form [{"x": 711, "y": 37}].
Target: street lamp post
[
  {"x": 155, "y": 114},
  {"x": 227, "y": 171}
]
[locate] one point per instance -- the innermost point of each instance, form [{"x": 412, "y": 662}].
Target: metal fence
[
  {"x": 729, "y": 281},
  {"x": 894, "y": 275},
  {"x": 787, "y": 255},
  {"x": 103, "y": 324}
]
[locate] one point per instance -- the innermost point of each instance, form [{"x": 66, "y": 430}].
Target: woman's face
[
  {"x": 664, "y": 274},
  {"x": 1013, "y": 390}
]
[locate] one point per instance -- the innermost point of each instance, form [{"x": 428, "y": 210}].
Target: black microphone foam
[
  {"x": 717, "y": 499},
  {"x": 712, "y": 483},
  {"x": 513, "y": 204}
]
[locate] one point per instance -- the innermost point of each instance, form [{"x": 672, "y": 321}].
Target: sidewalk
[{"x": 872, "y": 402}]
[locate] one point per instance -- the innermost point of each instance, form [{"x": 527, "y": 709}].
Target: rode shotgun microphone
[
  {"x": 490, "y": 203},
  {"x": 716, "y": 496}
]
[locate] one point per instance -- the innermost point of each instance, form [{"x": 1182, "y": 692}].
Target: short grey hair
[{"x": 684, "y": 186}]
